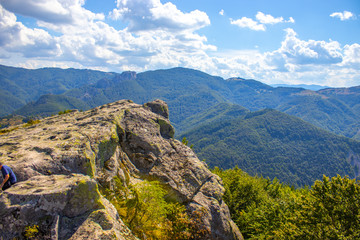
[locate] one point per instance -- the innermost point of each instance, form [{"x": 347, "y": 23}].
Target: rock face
[{"x": 60, "y": 162}]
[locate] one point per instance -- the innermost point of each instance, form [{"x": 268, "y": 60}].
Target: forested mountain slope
[
  {"x": 274, "y": 144},
  {"x": 19, "y": 86},
  {"x": 188, "y": 92}
]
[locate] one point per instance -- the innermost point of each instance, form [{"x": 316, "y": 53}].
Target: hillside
[
  {"x": 20, "y": 86},
  {"x": 188, "y": 92},
  {"x": 221, "y": 111},
  {"x": 274, "y": 144},
  {"x": 113, "y": 172},
  {"x": 48, "y": 105}
]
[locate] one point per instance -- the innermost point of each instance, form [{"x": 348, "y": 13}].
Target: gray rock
[
  {"x": 71, "y": 154},
  {"x": 159, "y": 107},
  {"x": 63, "y": 206}
]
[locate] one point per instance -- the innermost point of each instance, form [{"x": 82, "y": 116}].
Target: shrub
[
  {"x": 144, "y": 209},
  {"x": 31, "y": 232}
]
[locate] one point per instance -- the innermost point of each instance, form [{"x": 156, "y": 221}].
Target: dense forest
[
  {"x": 274, "y": 144},
  {"x": 265, "y": 209}
]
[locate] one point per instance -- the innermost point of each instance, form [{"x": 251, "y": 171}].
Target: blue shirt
[{"x": 5, "y": 170}]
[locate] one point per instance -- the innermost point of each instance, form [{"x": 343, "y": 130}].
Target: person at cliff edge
[{"x": 8, "y": 176}]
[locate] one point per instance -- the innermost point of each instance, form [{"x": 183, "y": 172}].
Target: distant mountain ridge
[
  {"x": 188, "y": 92},
  {"x": 312, "y": 87},
  {"x": 20, "y": 86}
]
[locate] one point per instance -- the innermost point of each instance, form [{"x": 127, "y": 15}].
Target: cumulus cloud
[
  {"x": 158, "y": 36},
  {"x": 45, "y": 10},
  {"x": 296, "y": 52},
  {"x": 268, "y": 19},
  {"x": 145, "y": 15},
  {"x": 222, "y": 12},
  {"x": 296, "y": 61},
  {"x": 161, "y": 36},
  {"x": 245, "y": 22},
  {"x": 15, "y": 37},
  {"x": 352, "y": 56},
  {"x": 260, "y": 22},
  {"x": 346, "y": 15}
]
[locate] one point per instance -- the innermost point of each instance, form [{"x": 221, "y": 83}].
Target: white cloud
[
  {"x": 15, "y": 37},
  {"x": 296, "y": 54},
  {"x": 262, "y": 20},
  {"x": 291, "y": 20},
  {"x": 165, "y": 39},
  {"x": 346, "y": 15},
  {"x": 352, "y": 56},
  {"x": 296, "y": 61},
  {"x": 161, "y": 36},
  {"x": 245, "y": 22},
  {"x": 302, "y": 52},
  {"x": 145, "y": 15},
  {"x": 45, "y": 10},
  {"x": 222, "y": 12},
  {"x": 268, "y": 19}
]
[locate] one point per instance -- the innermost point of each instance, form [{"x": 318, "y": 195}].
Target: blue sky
[{"x": 273, "y": 41}]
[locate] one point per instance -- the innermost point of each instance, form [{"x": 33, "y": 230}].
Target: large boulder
[
  {"x": 62, "y": 206},
  {"x": 120, "y": 139}
]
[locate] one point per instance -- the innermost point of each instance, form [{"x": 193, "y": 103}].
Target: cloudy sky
[{"x": 274, "y": 41}]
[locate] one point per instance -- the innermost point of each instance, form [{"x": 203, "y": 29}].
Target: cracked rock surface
[{"x": 60, "y": 162}]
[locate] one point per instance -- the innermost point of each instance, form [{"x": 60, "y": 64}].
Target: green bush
[
  {"x": 146, "y": 211},
  {"x": 65, "y": 112},
  {"x": 265, "y": 209},
  {"x": 31, "y": 232}
]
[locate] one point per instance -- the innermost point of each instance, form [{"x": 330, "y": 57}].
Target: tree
[
  {"x": 333, "y": 210},
  {"x": 144, "y": 209}
]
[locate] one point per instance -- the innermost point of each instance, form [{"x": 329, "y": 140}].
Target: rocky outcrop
[
  {"x": 61, "y": 161},
  {"x": 68, "y": 206}
]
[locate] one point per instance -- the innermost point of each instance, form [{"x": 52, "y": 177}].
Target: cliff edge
[{"x": 62, "y": 161}]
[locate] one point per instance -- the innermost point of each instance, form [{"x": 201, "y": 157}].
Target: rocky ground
[{"x": 61, "y": 161}]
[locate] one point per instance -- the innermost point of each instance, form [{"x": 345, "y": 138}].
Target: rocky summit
[{"x": 63, "y": 160}]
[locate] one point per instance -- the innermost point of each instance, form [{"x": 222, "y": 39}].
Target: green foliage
[
  {"x": 32, "y": 122},
  {"x": 7, "y": 130},
  {"x": 31, "y": 232},
  {"x": 144, "y": 209},
  {"x": 265, "y": 209},
  {"x": 273, "y": 144},
  {"x": 186, "y": 142},
  {"x": 332, "y": 211},
  {"x": 64, "y": 112}
]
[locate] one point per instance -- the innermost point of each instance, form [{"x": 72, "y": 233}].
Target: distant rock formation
[{"x": 61, "y": 161}]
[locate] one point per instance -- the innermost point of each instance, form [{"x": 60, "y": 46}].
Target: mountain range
[
  {"x": 268, "y": 142},
  {"x": 21, "y": 86},
  {"x": 312, "y": 87},
  {"x": 187, "y": 92}
]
